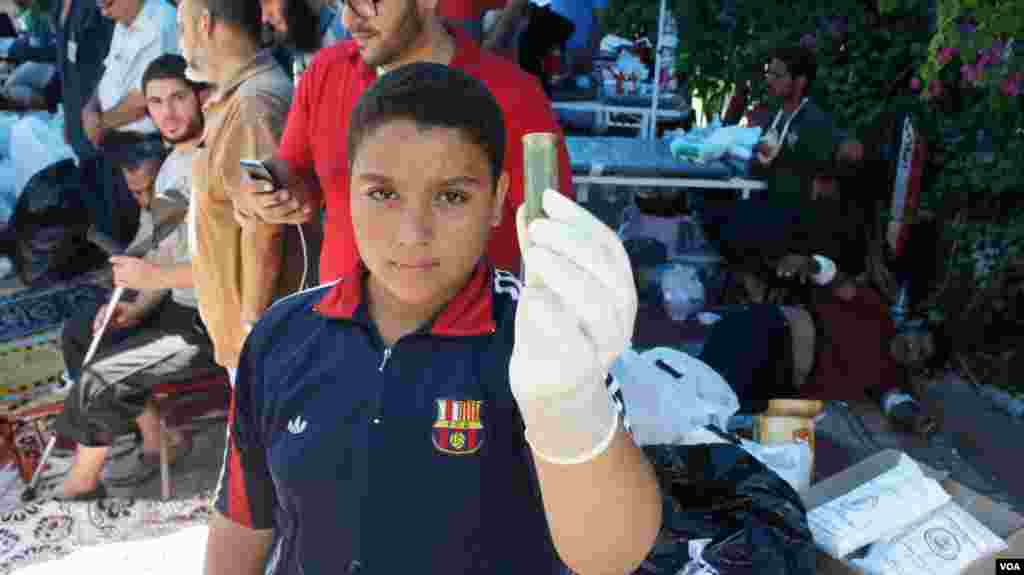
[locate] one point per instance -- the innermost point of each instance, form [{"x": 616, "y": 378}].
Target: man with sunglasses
[{"x": 311, "y": 163}]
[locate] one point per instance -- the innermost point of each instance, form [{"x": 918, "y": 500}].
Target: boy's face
[
  {"x": 423, "y": 206},
  {"x": 140, "y": 178}
]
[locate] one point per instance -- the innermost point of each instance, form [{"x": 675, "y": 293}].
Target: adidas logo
[{"x": 297, "y": 425}]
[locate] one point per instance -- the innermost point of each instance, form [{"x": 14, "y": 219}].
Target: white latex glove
[{"x": 571, "y": 324}]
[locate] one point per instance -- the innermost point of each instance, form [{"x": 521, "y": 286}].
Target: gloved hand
[{"x": 575, "y": 317}]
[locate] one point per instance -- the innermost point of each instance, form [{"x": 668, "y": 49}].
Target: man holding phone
[{"x": 238, "y": 270}]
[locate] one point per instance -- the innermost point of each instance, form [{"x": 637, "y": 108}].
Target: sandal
[{"x": 147, "y": 466}]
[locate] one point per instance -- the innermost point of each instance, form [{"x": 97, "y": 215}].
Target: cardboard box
[{"x": 1001, "y": 520}]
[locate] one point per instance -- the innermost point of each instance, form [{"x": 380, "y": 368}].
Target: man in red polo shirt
[{"x": 311, "y": 165}]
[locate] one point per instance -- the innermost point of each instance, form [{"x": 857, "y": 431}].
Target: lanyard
[{"x": 785, "y": 129}]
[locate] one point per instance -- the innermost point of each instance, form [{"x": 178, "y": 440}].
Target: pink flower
[
  {"x": 971, "y": 74},
  {"x": 915, "y": 84},
  {"x": 946, "y": 54},
  {"x": 1011, "y": 88}
]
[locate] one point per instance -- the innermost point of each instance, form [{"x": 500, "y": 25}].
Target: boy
[{"x": 398, "y": 394}]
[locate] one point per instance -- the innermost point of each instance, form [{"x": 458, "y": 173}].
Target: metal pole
[{"x": 653, "y": 119}]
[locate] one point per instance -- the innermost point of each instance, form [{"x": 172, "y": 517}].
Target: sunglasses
[{"x": 362, "y": 8}]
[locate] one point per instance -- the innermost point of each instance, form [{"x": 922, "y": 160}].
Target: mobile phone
[{"x": 259, "y": 171}]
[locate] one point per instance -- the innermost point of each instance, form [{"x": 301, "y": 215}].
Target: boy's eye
[
  {"x": 453, "y": 197},
  {"x": 382, "y": 195}
]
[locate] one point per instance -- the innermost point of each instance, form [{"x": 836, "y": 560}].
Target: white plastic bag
[
  {"x": 791, "y": 461},
  {"x": 682, "y": 291},
  {"x": 8, "y": 192},
  {"x": 667, "y": 395},
  {"x": 628, "y": 64},
  {"x": 37, "y": 142},
  {"x": 7, "y": 121}
]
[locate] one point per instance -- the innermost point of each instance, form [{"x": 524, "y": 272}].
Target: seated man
[
  {"x": 143, "y": 30},
  {"x": 34, "y": 52},
  {"x": 163, "y": 338}
]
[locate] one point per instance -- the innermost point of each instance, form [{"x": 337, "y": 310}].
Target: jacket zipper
[{"x": 384, "y": 361}]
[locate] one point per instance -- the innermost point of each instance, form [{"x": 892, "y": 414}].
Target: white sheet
[{"x": 175, "y": 554}]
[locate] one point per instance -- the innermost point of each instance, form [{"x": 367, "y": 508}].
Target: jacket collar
[
  {"x": 260, "y": 62},
  {"x": 469, "y": 313}
]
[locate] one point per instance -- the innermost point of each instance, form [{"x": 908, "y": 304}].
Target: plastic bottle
[{"x": 788, "y": 420}]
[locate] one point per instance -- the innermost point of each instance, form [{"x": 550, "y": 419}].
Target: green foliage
[{"x": 957, "y": 79}]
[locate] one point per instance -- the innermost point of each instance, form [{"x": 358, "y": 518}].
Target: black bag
[
  {"x": 49, "y": 229},
  {"x": 755, "y": 521}
]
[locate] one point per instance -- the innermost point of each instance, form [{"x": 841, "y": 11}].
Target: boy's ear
[{"x": 501, "y": 195}]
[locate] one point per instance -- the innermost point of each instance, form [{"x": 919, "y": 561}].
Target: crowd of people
[{"x": 361, "y": 291}]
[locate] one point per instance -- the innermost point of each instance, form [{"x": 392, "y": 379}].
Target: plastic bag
[
  {"x": 7, "y": 121},
  {"x": 791, "y": 461},
  {"x": 726, "y": 513},
  {"x": 50, "y": 232},
  {"x": 37, "y": 141},
  {"x": 627, "y": 64},
  {"x": 667, "y": 394},
  {"x": 681, "y": 290},
  {"x": 8, "y": 193}
]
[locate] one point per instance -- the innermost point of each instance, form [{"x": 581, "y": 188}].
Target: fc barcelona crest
[{"x": 458, "y": 430}]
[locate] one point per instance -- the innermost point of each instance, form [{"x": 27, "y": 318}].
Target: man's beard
[
  {"x": 193, "y": 131},
  {"x": 410, "y": 27}
]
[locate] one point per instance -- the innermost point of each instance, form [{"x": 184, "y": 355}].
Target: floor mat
[
  {"x": 42, "y": 532},
  {"x": 27, "y": 371},
  {"x": 31, "y": 311}
]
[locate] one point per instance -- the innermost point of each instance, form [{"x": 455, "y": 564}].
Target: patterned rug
[
  {"x": 97, "y": 532},
  {"x": 28, "y": 371},
  {"x": 30, "y": 312},
  {"x": 182, "y": 552},
  {"x": 45, "y": 531}
]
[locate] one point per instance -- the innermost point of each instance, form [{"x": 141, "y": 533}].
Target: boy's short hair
[
  {"x": 169, "y": 67},
  {"x": 799, "y": 61},
  {"x": 432, "y": 96}
]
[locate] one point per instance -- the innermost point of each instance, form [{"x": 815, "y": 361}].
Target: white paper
[
  {"x": 943, "y": 543},
  {"x": 884, "y": 505}
]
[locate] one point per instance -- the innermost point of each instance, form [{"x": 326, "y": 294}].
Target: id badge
[{"x": 72, "y": 51}]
